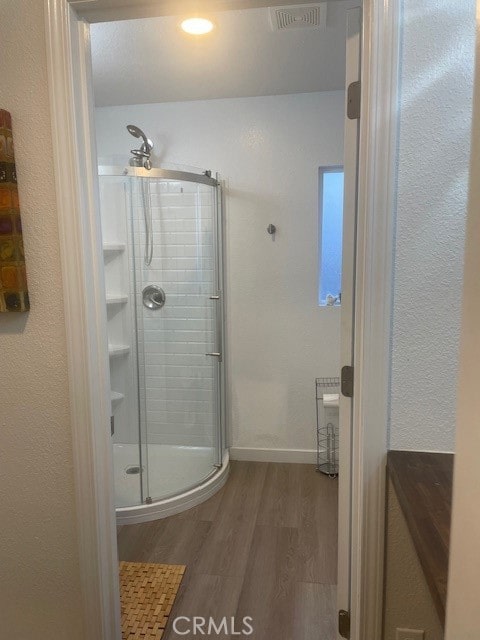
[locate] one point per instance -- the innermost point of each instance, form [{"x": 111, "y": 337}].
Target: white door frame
[
  {"x": 347, "y": 319},
  {"x": 84, "y": 299},
  {"x": 373, "y": 310}
]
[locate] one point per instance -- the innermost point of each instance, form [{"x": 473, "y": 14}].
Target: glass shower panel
[
  {"x": 178, "y": 332},
  {"x": 138, "y": 192}
]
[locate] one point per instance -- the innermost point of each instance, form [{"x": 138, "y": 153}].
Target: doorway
[
  {"x": 97, "y": 301},
  {"x": 272, "y": 124}
]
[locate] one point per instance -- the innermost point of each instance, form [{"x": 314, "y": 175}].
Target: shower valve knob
[{"x": 153, "y": 297}]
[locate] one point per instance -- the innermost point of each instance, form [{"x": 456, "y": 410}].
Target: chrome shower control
[{"x": 153, "y": 297}]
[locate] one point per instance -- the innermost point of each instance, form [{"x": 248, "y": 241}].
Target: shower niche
[{"x": 162, "y": 242}]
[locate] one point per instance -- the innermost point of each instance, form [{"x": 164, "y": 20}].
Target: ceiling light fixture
[{"x": 197, "y": 26}]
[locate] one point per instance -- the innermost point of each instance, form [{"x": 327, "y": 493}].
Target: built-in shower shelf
[
  {"x": 112, "y": 299},
  {"x": 116, "y": 397},
  {"x": 118, "y": 350},
  {"x": 113, "y": 247}
]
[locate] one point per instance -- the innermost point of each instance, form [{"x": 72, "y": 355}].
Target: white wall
[
  {"x": 463, "y": 612},
  {"x": 436, "y": 105},
  {"x": 40, "y": 584},
  {"x": 269, "y": 150}
]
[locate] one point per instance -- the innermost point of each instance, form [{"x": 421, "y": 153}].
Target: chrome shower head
[
  {"x": 141, "y": 157},
  {"x": 136, "y": 132}
]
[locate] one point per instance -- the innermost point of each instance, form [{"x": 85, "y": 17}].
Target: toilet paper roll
[{"x": 331, "y": 399}]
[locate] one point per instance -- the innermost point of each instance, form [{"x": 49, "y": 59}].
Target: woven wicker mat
[{"x": 147, "y": 594}]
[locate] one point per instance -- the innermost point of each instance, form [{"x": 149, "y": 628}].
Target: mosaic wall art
[{"x": 13, "y": 279}]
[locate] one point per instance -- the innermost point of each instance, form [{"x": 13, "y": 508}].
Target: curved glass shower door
[
  {"x": 177, "y": 305},
  {"x": 175, "y": 278}
]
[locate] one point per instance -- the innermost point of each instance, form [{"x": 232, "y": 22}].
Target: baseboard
[{"x": 305, "y": 456}]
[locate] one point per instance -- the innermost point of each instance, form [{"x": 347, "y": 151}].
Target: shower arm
[{"x": 140, "y": 153}]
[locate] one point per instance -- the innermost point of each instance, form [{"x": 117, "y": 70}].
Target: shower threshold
[{"x": 175, "y": 481}]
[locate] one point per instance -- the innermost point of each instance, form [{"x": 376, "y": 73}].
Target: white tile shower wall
[
  {"x": 269, "y": 150},
  {"x": 176, "y": 378}
]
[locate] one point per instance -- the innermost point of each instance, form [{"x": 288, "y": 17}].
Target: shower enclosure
[{"x": 162, "y": 235}]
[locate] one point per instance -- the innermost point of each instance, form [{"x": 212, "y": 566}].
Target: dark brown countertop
[{"x": 423, "y": 484}]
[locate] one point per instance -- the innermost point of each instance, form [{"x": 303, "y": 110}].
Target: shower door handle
[
  {"x": 218, "y": 341},
  {"x": 215, "y": 354}
]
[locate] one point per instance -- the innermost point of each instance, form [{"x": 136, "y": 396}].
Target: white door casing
[
  {"x": 463, "y": 613},
  {"x": 373, "y": 311},
  {"x": 350, "y": 161},
  {"x": 85, "y": 319}
]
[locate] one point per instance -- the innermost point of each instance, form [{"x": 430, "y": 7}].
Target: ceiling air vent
[{"x": 299, "y": 16}]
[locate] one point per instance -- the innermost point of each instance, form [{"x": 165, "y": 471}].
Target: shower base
[{"x": 171, "y": 468}]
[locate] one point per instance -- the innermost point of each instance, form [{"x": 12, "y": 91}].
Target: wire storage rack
[{"x": 327, "y": 394}]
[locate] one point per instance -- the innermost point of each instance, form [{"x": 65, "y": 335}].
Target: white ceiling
[
  {"x": 151, "y": 60},
  {"x": 108, "y": 10}
]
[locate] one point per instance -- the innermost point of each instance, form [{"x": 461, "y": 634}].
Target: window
[{"x": 330, "y": 225}]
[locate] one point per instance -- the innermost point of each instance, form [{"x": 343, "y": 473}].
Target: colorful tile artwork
[{"x": 13, "y": 279}]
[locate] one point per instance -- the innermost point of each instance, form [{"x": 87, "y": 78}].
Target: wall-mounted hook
[{"x": 271, "y": 229}]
